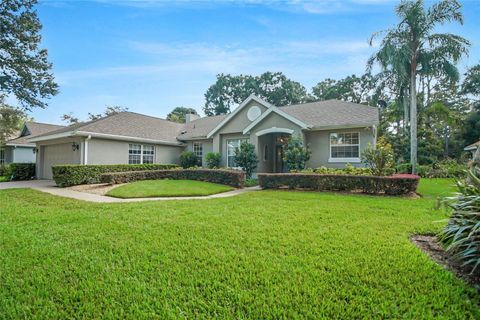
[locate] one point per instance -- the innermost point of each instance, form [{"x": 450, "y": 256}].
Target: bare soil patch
[{"x": 431, "y": 246}]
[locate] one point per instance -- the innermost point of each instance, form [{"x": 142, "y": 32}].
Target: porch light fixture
[
  {"x": 35, "y": 150},
  {"x": 75, "y": 146}
]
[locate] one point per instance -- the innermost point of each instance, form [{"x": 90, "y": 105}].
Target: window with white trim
[
  {"x": 345, "y": 146},
  {"x": 139, "y": 154},
  {"x": 198, "y": 151},
  {"x": 2, "y": 156},
  {"x": 232, "y": 146}
]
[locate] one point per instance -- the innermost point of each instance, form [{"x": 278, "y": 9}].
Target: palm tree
[{"x": 412, "y": 48}]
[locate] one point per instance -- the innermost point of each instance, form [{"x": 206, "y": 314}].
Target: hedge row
[
  {"x": 75, "y": 174},
  {"x": 391, "y": 185},
  {"x": 22, "y": 171},
  {"x": 234, "y": 178}
]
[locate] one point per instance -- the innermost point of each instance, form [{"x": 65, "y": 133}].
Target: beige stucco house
[{"x": 335, "y": 131}]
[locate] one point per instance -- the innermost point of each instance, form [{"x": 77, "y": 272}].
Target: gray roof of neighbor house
[
  {"x": 200, "y": 128},
  {"x": 31, "y": 129},
  {"x": 125, "y": 124},
  {"x": 333, "y": 113},
  {"x": 472, "y": 146}
]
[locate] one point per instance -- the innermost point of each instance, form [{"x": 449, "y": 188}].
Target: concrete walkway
[{"x": 49, "y": 186}]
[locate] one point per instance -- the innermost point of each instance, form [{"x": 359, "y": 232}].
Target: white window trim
[
  {"x": 141, "y": 152},
  {"x": 226, "y": 145},
  {"x": 343, "y": 160},
  {"x": 3, "y": 156}
]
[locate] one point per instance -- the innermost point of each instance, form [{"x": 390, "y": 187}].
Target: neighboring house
[
  {"x": 472, "y": 148},
  {"x": 18, "y": 149},
  {"x": 335, "y": 131}
]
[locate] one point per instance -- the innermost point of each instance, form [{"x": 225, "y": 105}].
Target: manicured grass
[
  {"x": 4, "y": 178},
  {"x": 265, "y": 254},
  {"x": 167, "y": 188},
  {"x": 434, "y": 188}
]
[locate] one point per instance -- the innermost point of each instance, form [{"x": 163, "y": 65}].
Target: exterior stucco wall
[
  {"x": 207, "y": 146},
  {"x": 8, "y": 154},
  {"x": 240, "y": 120},
  {"x": 319, "y": 144},
  {"x": 102, "y": 151},
  {"x": 223, "y": 144}
]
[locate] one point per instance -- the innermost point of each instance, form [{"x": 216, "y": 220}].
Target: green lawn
[
  {"x": 4, "y": 178},
  {"x": 167, "y": 188},
  {"x": 434, "y": 188},
  {"x": 265, "y": 254}
]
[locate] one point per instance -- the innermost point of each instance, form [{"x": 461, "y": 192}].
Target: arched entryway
[{"x": 270, "y": 143}]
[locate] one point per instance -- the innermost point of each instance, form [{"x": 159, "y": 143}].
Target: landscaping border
[
  {"x": 390, "y": 185},
  {"x": 233, "y": 178}
]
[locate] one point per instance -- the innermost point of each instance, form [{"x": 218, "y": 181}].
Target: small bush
[
  {"x": 295, "y": 154},
  {"x": 379, "y": 159},
  {"x": 75, "y": 174},
  {"x": 442, "y": 169},
  {"x": 246, "y": 158},
  {"x": 5, "y": 170},
  {"x": 188, "y": 159},
  {"x": 393, "y": 185},
  {"x": 349, "y": 170},
  {"x": 462, "y": 233},
  {"x": 213, "y": 160},
  {"x": 22, "y": 171},
  {"x": 234, "y": 178}
]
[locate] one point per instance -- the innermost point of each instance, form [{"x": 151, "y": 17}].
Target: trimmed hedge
[
  {"x": 75, "y": 174},
  {"x": 22, "y": 171},
  {"x": 391, "y": 185},
  {"x": 234, "y": 178}
]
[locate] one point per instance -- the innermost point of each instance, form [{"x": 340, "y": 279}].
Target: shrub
[
  {"x": 22, "y": 171},
  {"x": 295, "y": 154},
  {"x": 188, "y": 159},
  {"x": 380, "y": 158},
  {"x": 213, "y": 160},
  {"x": 462, "y": 233},
  {"x": 234, "y": 178},
  {"x": 246, "y": 158},
  {"x": 5, "y": 170},
  {"x": 442, "y": 169},
  {"x": 349, "y": 169},
  {"x": 393, "y": 185},
  {"x": 75, "y": 174}
]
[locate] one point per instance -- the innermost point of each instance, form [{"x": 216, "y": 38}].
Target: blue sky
[{"x": 152, "y": 56}]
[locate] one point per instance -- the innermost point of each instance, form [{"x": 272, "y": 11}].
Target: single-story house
[
  {"x": 335, "y": 131},
  {"x": 18, "y": 149}
]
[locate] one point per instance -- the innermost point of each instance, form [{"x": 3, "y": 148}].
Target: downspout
[{"x": 85, "y": 152}]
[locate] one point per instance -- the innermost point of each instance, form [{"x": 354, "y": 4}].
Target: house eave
[{"x": 343, "y": 126}]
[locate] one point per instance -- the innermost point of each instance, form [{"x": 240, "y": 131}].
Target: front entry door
[{"x": 279, "y": 166}]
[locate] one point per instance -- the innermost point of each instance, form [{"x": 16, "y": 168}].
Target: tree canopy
[
  {"x": 70, "y": 118},
  {"x": 178, "y": 114},
  {"x": 230, "y": 90},
  {"x": 25, "y": 71}
]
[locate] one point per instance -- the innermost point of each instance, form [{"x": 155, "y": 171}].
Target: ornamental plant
[
  {"x": 380, "y": 159},
  {"x": 246, "y": 158},
  {"x": 213, "y": 160},
  {"x": 295, "y": 154},
  {"x": 188, "y": 159}
]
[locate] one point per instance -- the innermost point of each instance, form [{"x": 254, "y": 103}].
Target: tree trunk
[{"x": 413, "y": 118}]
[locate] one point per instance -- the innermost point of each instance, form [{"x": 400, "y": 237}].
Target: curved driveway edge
[{"x": 49, "y": 186}]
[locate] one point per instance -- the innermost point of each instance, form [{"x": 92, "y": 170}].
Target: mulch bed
[{"x": 431, "y": 246}]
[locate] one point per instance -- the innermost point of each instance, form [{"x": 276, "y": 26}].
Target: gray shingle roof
[
  {"x": 129, "y": 124},
  {"x": 333, "y": 113},
  {"x": 34, "y": 129},
  {"x": 200, "y": 128}
]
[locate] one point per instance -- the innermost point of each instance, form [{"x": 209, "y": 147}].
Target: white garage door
[{"x": 58, "y": 154}]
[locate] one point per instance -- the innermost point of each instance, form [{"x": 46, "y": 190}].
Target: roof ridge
[
  {"x": 149, "y": 116},
  {"x": 325, "y": 101},
  {"x": 44, "y": 123}
]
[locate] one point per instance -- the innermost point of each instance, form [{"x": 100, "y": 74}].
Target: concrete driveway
[{"x": 34, "y": 184}]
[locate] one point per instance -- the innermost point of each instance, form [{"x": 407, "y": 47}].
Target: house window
[
  {"x": 138, "y": 154},
  {"x": 345, "y": 146},
  {"x": 148, "y": 153},
  {"x": 232, "y": 146},
  {"x": 2, "y": 156},
  {"x": 198, "y": 151},
  {"x": 265, "y": 152}
]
